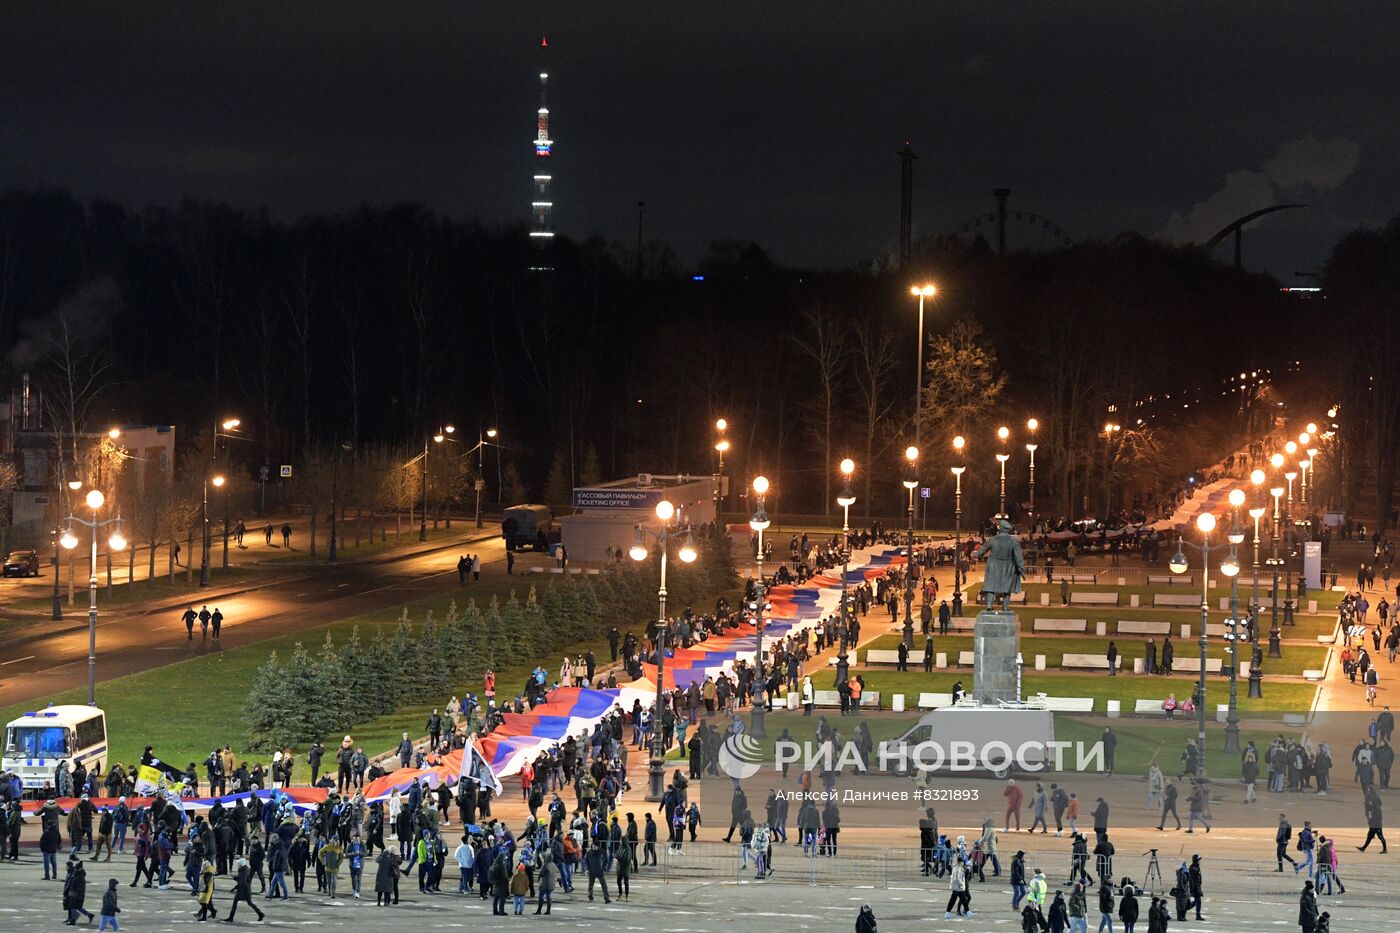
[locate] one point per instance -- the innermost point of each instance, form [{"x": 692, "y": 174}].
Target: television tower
[{"x": 541, "y": 207}]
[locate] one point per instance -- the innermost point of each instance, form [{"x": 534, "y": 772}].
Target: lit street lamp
[
  {"x": 1256, "y": 673},
  {"x": 958, "y": 443},
  {"x": 218, "y": 482},
  {"x": 921, "y": 292},
  {"x": 1231, "y": 568},
  {"x": 845, "y": 500},
  {"x": 759, "y": 523},
  {"x": 1031, "y": 426},
  {"x": 1274, "y": 562},
  {"x": 116, "y": 542},
  {"x": 911, "y": 481},
  {"x": 437, "y": 438},
  {"x": 721, "y": 447},
  {"x": 665, "y": 511},
  {"x": 1205, "y": 524}
]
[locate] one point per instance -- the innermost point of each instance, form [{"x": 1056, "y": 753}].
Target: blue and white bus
[{"x": 36, "y": 742}]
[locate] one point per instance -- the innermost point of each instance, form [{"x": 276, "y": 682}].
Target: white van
[{"x": 36, "y": 742}]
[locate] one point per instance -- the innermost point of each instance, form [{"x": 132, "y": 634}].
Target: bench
[
  {"x": 935, "y": 700},
  {"x": 832, "y": 699},
  {"x": 1093, "y": 662},
  {"x": 1060, "y": 625},
  {"x": 1077, "y": 577},
  {"x": 885, "y": 656},
  {"x": 1093, "y": 599},
  {"x": 1148, "y": 708},
  {"x": 1312, "y": 675},
  {"x": 965, "y": 659},
  {"x": 1186, "y": 579},
  {"x": 1131, "y": 627},
  {"x": 1070, "y": 704},
  {"x": 1176, "y": 599}
]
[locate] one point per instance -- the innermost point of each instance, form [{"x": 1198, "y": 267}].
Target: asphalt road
[{"x": 35, "y": 663}]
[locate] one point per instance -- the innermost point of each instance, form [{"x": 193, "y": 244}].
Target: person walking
[
  {"x": 110, "y": 909},
  {"x": 1374, "y": 825},
  {"x": 1196, "y": 805},
  {"x": 75, "y": 891},
  {"x": 1105, "y": 907},
  {"x": 1282, "y": 835},
  {"x": 206, "y": 892},
  {"x": 243, "y": 890},
  {"x": 1078, "y": 909},
  {"x": 1307, "y": 909},
  {"x": 385, "y": 879}
]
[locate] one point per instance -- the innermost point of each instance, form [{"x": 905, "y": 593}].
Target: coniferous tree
[
  {"x": 361, "y": 675},
  {"x": 262, "y": 706},
  {"x": 332, "y": 695},
  {"x": 382, "y": 697}
]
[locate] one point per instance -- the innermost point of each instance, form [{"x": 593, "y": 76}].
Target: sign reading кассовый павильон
[{"x": 595, "y": 498}]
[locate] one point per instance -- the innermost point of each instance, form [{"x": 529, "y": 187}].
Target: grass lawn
[
  {"x": 1295, "y": 660},
  {"x": 1278, "y": 697},
  {"x": 1326, "y": 599},
  {"x": 185, "y": 709},
  {"x": 1140, "y": 743}
]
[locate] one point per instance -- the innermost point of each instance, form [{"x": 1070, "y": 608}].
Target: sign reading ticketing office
[{"x": 604, "y": 498}]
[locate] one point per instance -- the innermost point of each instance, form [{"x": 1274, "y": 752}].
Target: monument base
[{"x": 996, "y": 645}]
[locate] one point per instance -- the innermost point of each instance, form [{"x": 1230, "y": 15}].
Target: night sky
[{"x": 770, "y": 121}]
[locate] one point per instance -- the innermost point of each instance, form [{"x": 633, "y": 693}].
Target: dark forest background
[{"x": 375, "y": 327}]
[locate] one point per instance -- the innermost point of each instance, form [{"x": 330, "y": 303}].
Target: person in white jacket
[{"x": 809, "y": 696}]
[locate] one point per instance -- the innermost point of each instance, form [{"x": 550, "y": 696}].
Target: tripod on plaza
[{"x": 1152, "y": 881}]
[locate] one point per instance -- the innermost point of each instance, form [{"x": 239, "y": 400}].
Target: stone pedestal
[{"x": 996, "y": 643}]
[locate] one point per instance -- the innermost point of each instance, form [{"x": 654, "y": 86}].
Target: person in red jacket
[{"x": 1013, "y": 797}]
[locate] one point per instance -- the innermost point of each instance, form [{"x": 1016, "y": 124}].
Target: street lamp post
[
  {"x": 921, "y": 292},
  {"x": 437, "y": 438},
  {"x": 1231, "y": 568},
  {"x": 1275, "y": 635},
  {"x": 665, "y": 511},
  {"x": 1256, "y": 673},
  {"x": 95, "y": 500},
  {"x": 221, "y": 429},
  {"x": 759, "y": 523},
  {"x": 482, "y": 442},
  {"x": 1003, "y": 433},
  {"x": 958, "y": 443},
  {"x": 721, "y": 447},
  {"x": 911, "y": 481},
  {"x": 845, "y": 500},
  {"x": 1205, "y": 523},
  {"x": 335, "y": 467},
  {"x": 218, "y": 482},
  {"x": 1031, "y": 426}
]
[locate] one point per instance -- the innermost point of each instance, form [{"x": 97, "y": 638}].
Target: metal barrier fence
[{"x": 882, "y": 867}]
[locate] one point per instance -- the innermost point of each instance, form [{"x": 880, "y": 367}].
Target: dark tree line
[{"x": 378, "y": 325}]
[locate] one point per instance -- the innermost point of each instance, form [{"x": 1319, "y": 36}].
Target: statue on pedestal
[{"x": 1005, "y": 566}]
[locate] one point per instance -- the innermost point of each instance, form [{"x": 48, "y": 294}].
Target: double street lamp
[
  {"x": 665, "y": 512},
  {"x": 721, "y": 447},
  {"x": 441, "y": 435},
  {"x": 117, "y": 542},
  {"x": 1031, "y": 426},
  {"x": 845, "y": 500},
  {"x": 759, "y": 523},
  {"x": 911, "y": 482},
  {"x": 224, "y": 429},
  {"x": 958, "y": 444},
  {"x": 1231, "y": 568},
  {"x": 1205, "y": 524},
  {"x": 1003, "y": 433},
  {"x": 1256, "y": 673}
]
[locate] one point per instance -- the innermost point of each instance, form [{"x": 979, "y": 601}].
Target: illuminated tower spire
[{"x": 541, "y": 207}]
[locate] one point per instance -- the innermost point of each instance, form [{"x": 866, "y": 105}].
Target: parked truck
[{"x": 528, "y": 527}]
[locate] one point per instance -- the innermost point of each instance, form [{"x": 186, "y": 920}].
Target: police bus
[{"x": 36, "y": 742}]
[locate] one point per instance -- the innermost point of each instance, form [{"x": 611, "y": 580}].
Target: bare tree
[
  {"x": 873, "y": 363},
  {"x": 824, "y": 343}
]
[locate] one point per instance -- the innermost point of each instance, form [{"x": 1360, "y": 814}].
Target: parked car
[{"x": 22, "y": 564}]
